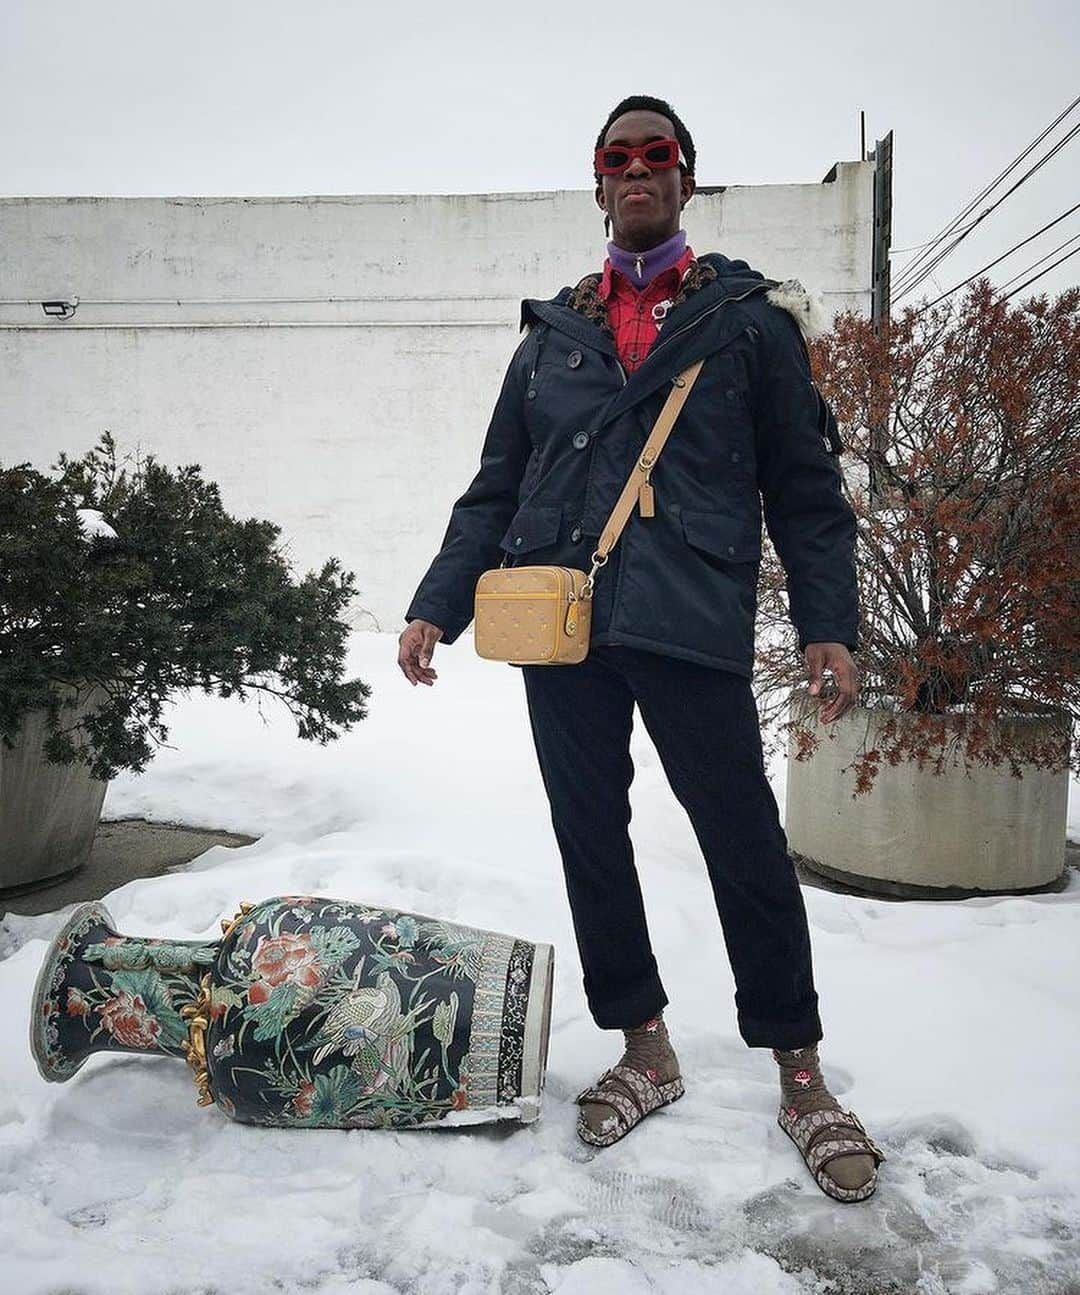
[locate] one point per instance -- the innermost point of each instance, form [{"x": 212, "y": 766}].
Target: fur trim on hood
[{"x": 806, "y": 308}]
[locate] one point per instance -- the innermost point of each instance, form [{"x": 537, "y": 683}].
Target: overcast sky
[{"x": 215, "y": 97}]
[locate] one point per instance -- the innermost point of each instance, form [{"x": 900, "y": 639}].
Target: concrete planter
[
  {"x": 48, "y": 812},
  {"x": 964, "y": 831}
]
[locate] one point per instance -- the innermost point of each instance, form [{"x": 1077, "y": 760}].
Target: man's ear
[
  {"x": 598, "y": 194},
  {"x": 689, "y": 184}
]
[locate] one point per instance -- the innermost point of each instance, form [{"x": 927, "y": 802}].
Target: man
[{"x": 673, "y": 613}]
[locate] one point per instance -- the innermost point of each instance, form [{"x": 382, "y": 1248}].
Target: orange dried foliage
[{"x": 962, "y": 463}]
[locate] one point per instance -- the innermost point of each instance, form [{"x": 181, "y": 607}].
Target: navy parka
[{"x": 754, "y": 435}]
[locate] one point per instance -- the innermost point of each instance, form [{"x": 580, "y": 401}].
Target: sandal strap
[
  {"x": 822, "y": 1153},
  {"x": 646, "y": 1092},
  {"x": 613, "y": 1095},
  {"x": 824, "y": 1135}
]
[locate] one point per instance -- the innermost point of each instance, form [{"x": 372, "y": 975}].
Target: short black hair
[{"x": 649, "y": 103}]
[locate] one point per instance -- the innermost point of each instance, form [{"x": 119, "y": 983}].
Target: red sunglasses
[{"x": 658, "y": 154}]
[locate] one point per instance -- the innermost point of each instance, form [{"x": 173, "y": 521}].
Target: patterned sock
[
  {"x": 649, "y": 1050},
  {"x": 802, "y": 1089}
]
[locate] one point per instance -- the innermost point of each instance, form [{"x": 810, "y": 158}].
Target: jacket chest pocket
[
  {"x": 534, "y": 527},
  {"x": 721, "y": 536}
]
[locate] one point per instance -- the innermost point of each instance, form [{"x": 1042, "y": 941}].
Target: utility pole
[{"x": 880, "y": 305}]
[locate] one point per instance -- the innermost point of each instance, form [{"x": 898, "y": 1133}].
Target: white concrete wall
[{"x": 332, "y": 361}]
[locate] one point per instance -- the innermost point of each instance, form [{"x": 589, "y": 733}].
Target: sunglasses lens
[
  {"x": 615, "y": 158},
  {"x": 664, "y": 153}
]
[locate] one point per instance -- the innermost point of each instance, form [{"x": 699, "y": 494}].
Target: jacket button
[
  {"x": 530, "y": 394},
  {"x": 518, "y": 540},
  {"x": 731, "y": 548},
  {"x": 581, "y": 439},
  {"x": 734, "y": 456},
  {"x": 730, "y": 393},
  {"x": 576, "y": 534},
  {"x": 573, "y": 359}
]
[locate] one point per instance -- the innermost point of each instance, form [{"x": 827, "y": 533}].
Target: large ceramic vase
[{"x": 311, "y": 1013}]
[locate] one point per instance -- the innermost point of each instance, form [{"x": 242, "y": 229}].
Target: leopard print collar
[{"x": 585, "y": 296}]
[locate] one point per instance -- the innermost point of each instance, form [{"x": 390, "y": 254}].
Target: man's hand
[
  {"x": 415, "y": 646},
  {"x": 836, "y": 658}
]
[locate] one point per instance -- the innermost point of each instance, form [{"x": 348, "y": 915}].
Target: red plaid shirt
[{"x": 630, "y": 310}]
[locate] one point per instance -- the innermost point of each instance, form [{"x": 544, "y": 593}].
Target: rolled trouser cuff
[
  {"x": 630, "y": 1010},
  {"x": 759, "y": 1033}
]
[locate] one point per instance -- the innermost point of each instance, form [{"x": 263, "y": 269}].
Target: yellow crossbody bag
[{"x": 542, "y": 615}]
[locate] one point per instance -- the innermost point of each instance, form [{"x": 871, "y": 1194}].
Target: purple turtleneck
[{"x": 641, "y": 267}]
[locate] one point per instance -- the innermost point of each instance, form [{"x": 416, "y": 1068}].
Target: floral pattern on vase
[{"x": 317, "y": 1012}]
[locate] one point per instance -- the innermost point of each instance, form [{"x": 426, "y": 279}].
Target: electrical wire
[
  {"x": 915, "y": 247},
  {"x": 912, "y": 266},
  {"x": 941, "y": 256},
  {"x": 911, "y": 273},
  {"x": 913, "y": 283},
  {"x": 1041, "y": 273},
  {"x": 1046, "y": 257},
  {"x": 990, "y": 264}
]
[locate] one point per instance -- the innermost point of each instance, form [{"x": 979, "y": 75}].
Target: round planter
[
  {"x": 48, "y": 812},
  {"x": 968, "y": 830}
]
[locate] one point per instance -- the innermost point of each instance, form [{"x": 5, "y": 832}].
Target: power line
[
  {"x": 1027, "y": 175},
  {"x": 1041, "y": 273},
  {"x": 990, "y": 264},
  {"x": 1016, "y": 276},
  {"x": 912, "y": 266},
  {"x": 915, "y": 247},
  {"x": 908, "y": 273},
  {"x": 913, "y": 283}
]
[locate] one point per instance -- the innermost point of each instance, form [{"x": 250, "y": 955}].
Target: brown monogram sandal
[
  {"x": 631, "y": 1094},
  {"x": 821, "y": 1137}
]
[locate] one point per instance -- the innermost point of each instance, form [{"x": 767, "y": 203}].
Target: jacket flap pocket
[
  {"x": 532, "y": 528},
  {"x": 737, "y": 539}
]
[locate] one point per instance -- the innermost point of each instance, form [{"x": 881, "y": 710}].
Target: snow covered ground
[{"x": 950, "y": 1028}]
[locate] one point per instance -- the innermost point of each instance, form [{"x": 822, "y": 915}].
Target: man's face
[{"x": 644, "y": 205}]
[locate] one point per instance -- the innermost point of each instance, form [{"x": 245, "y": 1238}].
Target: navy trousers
[{"x": 706, "y": 730}]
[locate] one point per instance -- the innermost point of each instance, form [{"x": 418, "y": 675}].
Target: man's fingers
[
  {"x": 847, "y": 685},
  {"x": 414, "y": 656},
  {"x": 405, "y": 662},
  {"x": 421, "y": 664}
]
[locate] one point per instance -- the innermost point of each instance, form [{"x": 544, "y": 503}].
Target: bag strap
[{"x": 620, "y": 514}]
